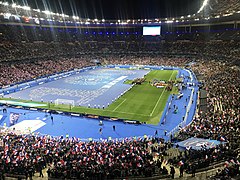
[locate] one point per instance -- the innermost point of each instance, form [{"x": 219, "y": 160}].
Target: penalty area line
[{"x": 119, "y": 105}]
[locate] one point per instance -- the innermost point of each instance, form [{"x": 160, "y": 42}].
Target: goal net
[{"x": 64, "y": 103}]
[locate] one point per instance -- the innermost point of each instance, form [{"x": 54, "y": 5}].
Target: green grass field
[{"x": 143, "y": 102}]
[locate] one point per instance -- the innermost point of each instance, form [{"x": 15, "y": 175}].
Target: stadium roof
[{"x": 116, "y": 9}]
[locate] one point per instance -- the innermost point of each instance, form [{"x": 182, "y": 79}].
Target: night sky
[{"x": 113, "y": 9}]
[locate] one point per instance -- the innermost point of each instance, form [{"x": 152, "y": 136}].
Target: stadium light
[
  {"x": 229, "y": 14},
  {"x": 47, "y": 12},
  {"x": 37, "y": 10},
  {"x": 5, "y": 3},
  {"x": 75, "y": 17},
  {"x": 169, "y": 22},
  {"x": 14, "y": 5},
  {"x": 205, "y": 2},
  {"x": 26, "y": 8}
]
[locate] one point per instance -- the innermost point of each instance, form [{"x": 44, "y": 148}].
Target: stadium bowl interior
[{"x": 120, "y": 90}]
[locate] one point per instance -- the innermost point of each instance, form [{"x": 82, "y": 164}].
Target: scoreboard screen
[{"x": 151, "y": 30}]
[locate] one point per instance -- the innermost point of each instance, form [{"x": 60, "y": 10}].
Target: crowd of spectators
[
  {"x": 18, "y": 43},
  {"x": 70, "y": 158},
  {"x": 16, "y": 72},
  {"x": 221, "y": 120},
  {"x": 199, "y": 160}
]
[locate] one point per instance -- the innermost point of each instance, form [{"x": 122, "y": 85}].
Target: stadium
[{"x": 120, "y": 90}]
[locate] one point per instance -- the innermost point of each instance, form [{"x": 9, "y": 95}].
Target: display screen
[{"x": 151, "y": 30}]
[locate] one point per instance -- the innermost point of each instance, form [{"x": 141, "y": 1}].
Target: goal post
[{"x": 65, "y": 103}]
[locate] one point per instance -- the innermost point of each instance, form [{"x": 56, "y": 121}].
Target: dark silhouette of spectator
[
  {"x": 40, "y": 171},
  {"x": 193, "y": 168},
  {"x": 4, "y": 109},
  {"x": 172, "y": 171},
  {"x": 52, "y": 119},
  {"x": 181, "y": 171}
]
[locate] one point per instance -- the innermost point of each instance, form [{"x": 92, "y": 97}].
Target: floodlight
[
  {"x": 37, "y": 10},
  {"x": 14, "y": 5},
  {"x": 75, "y": 17},
  {"x": 169, "y": 21},
  {"x": 205, "y": 2},
  {"x": 26, "y": 8},
  {"x": 46, "y": 12},
  {"x": 5, "y": 3}
]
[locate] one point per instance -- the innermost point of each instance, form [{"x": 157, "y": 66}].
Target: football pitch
[{"x": 143, "y": 102}]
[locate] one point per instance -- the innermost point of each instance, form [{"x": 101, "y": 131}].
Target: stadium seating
[{"x": 32, "y": 52}]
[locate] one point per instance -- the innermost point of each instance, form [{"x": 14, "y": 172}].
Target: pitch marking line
[
  {"x": 122, "y": 112},
  {"x": 160, "y": 96},
  {"x": 119, "y": 105},
  {"x": 132, "y": 113}
]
